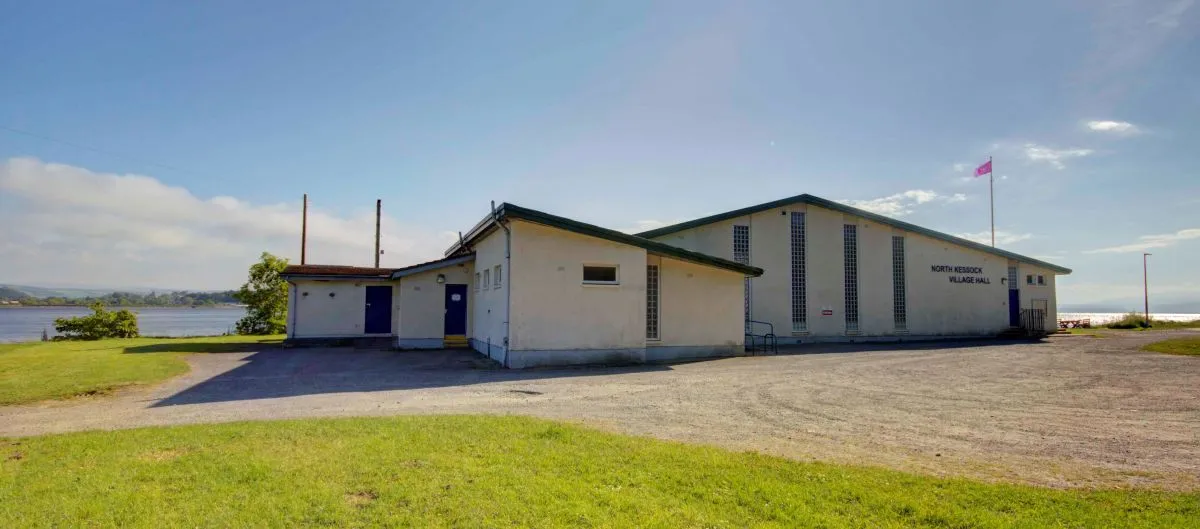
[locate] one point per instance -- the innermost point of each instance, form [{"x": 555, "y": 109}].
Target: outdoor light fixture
[{"x": 441, "y": 278}]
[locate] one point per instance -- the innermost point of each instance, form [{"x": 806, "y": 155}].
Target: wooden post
[
  {"x": 304, "y": 230},
  {"x": 378, "y": 213}
]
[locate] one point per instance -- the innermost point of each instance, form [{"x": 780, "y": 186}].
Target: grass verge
[
  {"x": 1178, "y": 346},
  {"x": 468, "y": 471},
  {"x": 36, "y": 371}
]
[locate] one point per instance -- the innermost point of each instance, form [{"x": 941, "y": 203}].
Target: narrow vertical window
[
  {"x": 486, "y": 275},
  {"x": 652, "y": 302},
  {"x": 496, "y": 276},
  {"x": 741, "y": 254},
  {"x": 477, "y": 281},
  {"x": 899, "y": 307},
  {"x": 799, "y": 287},
  {"x": 850, "y": 250}
]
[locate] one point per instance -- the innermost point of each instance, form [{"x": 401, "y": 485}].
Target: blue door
[
  {"x": 378, "y": 310},
  {"x": 456, "y": 310},
  {"x": 1014, "y": 308}
]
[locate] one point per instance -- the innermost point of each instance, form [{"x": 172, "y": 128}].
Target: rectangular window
[
  {"x": 651, "y": 302},
  {"x": 741, "y": 254},
  {"x": 477, "y": 281},
  {"x": 486, "y": 275},
  {"x": 799, "y": 275},
  {"x": 1041, "y": 280},
  {"x": 899, "y": 314},
  {"x": 600, "y": 274},
  {"x": 496, "y": 277},
  {"x": 1012, "y": 278},
  {"x": 1029, "y": 279},
  {"x": 850, "y": 257}
]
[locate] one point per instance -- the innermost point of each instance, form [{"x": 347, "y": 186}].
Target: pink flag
[{"x": 984, "y": 169}]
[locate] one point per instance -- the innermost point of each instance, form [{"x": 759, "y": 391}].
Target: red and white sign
[{"x": 827, "y": 312}]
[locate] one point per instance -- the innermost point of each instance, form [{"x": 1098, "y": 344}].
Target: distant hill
[
  {"x": 7, "y": 293},
  {"x": 50, "y": 292}
]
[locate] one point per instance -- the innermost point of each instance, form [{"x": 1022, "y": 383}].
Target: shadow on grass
[{"x": 206, "y": 347}]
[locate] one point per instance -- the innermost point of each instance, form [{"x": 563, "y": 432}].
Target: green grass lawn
[
  {"x": 1178, "y": 346},
  {"x": 36, "y": 371},
  {"x": 467, "y": 471}
]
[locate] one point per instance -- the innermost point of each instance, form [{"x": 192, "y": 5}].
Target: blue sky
[{"x": 182, "y": 136}]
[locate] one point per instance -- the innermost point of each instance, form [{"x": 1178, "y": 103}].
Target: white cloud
[
  {"x": 1002, "y": 237},
  {"x": 1171, "y": 13},
  {"x": 1127, "y": 36},
  {"x": 1123, "y": 128},
  {"x": 1147, "y": 242},
  {"x": 1055, "y": 157},
  {"x": 68, "y": 224},
  {"x": 960, "y": 167},
  {"x": 902, "y": 204}
]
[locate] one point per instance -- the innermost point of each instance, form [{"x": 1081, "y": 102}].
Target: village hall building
[{"x": 528, "y": 288}]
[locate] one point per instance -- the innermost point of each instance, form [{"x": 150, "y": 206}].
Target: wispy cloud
[
  {"x": 1147, "y": 242},
  {"x": 1128, "y": 34},
  {"x": 1123, "y": 128},
  {"x": 1002, "y": 237},
  {"x": 131, "y": 230},
  {"x": 902, "y": 204},
  {"x": 1055, "y": 157}
]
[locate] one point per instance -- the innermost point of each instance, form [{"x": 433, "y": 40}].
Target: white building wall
[
  {"x": 553, "y": 310},
  {"x": 422, "y": 315},
  {"x": 935, "y": 306},
  {"x": 1047, "y": 292},
  {"x": 342, "y": 315},
  {"x": 700, "y": 309},
  {"x": 489, "y": 314}
]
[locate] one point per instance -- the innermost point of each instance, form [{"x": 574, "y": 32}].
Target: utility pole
[
  {"x": 304, "y": 229},
  {"x": 378, "y": 212},
  {"x": 1146, "y": 286}
]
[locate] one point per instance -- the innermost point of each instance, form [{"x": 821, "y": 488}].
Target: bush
[
  {"x": 1132, "y": 320},
  {"x": 100, "y": 324}
]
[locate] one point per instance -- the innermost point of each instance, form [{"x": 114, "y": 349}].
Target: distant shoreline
[{"x": 118, "y": 307}]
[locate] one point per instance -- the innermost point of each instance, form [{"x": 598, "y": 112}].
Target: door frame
[
  {"x": 367, "y": 310},
  {"x": 460, "y": 288}
]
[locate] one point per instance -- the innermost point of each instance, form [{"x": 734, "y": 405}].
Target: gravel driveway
[{"x": 1072, "y": 411}]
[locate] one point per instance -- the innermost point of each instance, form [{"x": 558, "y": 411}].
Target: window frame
[
  {"x": 487, "y": 274},
  {"x": 653, "y": 303},
  {"x": 616, "y": 274},
  {"x": 1029, "y": 279},
  {"x": 496, "y": 274},
  {"x": 1041, "y": 280},
  {"x": 477, "y": 276}
]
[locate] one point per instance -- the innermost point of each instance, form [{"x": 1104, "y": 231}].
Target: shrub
[{"x": 100, "y": 324}]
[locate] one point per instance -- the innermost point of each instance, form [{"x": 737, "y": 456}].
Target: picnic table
[{"x": 1085, "y": 323}]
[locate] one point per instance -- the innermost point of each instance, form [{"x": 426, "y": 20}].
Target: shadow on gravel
[
  {"x": 278, "y": 373},
  {"x": 205, "y": 347}
]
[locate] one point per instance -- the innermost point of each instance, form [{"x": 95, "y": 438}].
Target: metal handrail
[{"x": 769, "y": 339}]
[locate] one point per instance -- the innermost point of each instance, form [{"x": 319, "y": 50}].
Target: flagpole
[{"x": 992, "y": 196}]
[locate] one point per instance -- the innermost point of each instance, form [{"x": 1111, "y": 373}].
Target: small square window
[
  {"x": 486, "y": 275},
  {"x": 496, "y": 277},
  {"x": 1041, "y": 280},
  {"x": 477, "y": 281},
  {"x": 1029, "y": 279},
  {"x": 600, "y": 274}
]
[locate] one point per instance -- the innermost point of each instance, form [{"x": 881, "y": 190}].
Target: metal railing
[
  {"x": 761, "y": 343},
  {"x": 1033, "y": 321}
]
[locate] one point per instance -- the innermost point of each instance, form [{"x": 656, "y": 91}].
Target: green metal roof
[
  {"x": 512, "y": 211},
  {"x": 829, "y": 204}
]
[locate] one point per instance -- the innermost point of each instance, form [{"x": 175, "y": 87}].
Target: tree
[
  {"x": 100, "y": 324},
  {"x": 265, "y": 296}
]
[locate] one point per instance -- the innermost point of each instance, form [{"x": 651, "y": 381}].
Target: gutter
[{"x": 508, "y": 289}]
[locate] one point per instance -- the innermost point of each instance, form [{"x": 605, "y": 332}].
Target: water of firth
[{"x": 18, "y": 324}]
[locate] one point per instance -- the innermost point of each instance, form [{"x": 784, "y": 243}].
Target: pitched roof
[
  {"x": 432, "y": 265},
  {"x": 829, "y": 204},
  {"x": 512, "y": 211},
  {"x": 336, "y": 272}
]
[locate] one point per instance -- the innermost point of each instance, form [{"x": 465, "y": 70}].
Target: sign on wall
[{"x": 967, "y": 275}]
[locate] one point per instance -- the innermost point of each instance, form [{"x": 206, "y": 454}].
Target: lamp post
[{"x": 1146, "y": 286}]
